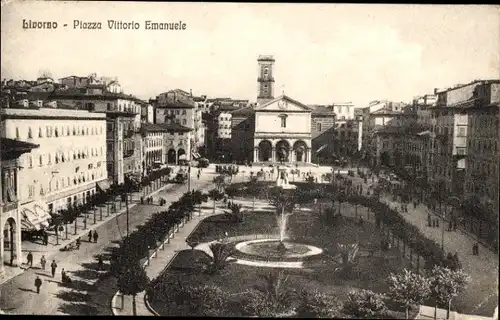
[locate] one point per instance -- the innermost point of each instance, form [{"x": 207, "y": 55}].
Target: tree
[
  {"x": 316, "y": 304},
  {"x": 283, "y": 200},
  {"x": 199, "y": 198},
  {"x": 348, "y": 252},
  {"x": 364, "y": 304},
  {"x": 409, "y": 288},
  {"x": 131, "y": 281},
  {"x": 219, "y": 258},
  {"x": 220, "y": 182},
  {"x": 235, "y": 212},
  {"x": 215, "y": 195},
  {"x": 253, "y": 190},
  {"x": 446, "y": 284}
]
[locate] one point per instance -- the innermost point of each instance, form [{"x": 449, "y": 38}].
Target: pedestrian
[
  {"x": 63, "y": 275},
  {"x": 437, "y": 223},
  {"x": 43, "y": 262},
  {"x": 53, "y": 266},
  {"x": 96, "y": 236},
  {"x": 30, "y": 259},
  {"x": 90, "y": 236},
  {"x": 38, "y": 284},
  {"x": 78, "y": 242},
  {"x": 433, "y": 223}
]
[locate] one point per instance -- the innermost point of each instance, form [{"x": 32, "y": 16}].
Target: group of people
[{"x": 64, "y": 277}]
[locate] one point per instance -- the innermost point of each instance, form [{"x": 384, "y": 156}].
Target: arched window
[
  {"x": 74, "y": 131},
  {"x": 40, "y": 132},
  {"x": 41, "y": 160},
  {"x": 67, "y": 131},
  {"x": 17, "y": 133},
  {"x": 30, "y": 133},
  {"x": 57, "y": 158},
  {"x": 57, "y": 132},
  {"x": 49, "y": 159}
]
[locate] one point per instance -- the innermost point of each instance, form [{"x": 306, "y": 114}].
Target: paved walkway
[
  {"x": 481, "y": 296},
  {"x": 90, "y": 292},
  {"x": 161, "y": 260}
]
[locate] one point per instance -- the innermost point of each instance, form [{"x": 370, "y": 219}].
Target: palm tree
[
  {"x": 219, "y": 258},
  {"x": 236, "y": 214},
  {"x": 348, "y": 254},
  {"x": 131, "y": 281},
  {"x": 274, "y": 290}
]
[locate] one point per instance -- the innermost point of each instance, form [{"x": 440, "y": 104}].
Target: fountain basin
[{"x": 267, "y": 249}]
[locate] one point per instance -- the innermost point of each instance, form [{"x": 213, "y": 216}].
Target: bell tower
[{"x": 265, "y": 79}]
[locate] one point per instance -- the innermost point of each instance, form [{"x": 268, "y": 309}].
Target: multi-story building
[
  {"x": 147, "y": 112},
  {"x": 483, "y": 141},
  {"x": 153, "y": 146},
  {"x": 123, "y": 121},
  {"x": 179, "y": 107},
  {"x": 377, "y": 115},
  {"x": 10, "y": 216},
  {"x": 69, "y": 164},
  {"x": 449, "y": 136},
  {"x": 322, "y": 133}
]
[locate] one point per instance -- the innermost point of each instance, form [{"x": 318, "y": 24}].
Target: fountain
[{"x": 280, "y": 248}]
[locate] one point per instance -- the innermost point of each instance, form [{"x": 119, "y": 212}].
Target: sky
[{"x": 324, "y": 53}]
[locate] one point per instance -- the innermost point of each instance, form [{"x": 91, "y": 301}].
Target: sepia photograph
[{"x": 233, "y": 160}]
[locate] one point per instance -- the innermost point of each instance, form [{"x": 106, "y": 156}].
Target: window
[
  {"x": 184, "y": 121},
  {"x": 31, "y": 191},
  {"x": 30, "y": 133},
  {"x": 74, "y": 131},
  {"x": 87, "y": 131},
  {"x": 40, "y": 132},
  {"x": 177, "y": 112},
  {"x": 318, "y": 126},
  {"x": 31, "y": 161},
  {"x": 57, "y": 132},
  {"x": 41, "y": 160},
  {"x": 283, "y": 120},
  {"x": 17, "y": 133},
  {"x": 183, "y": 112},
  {"x": 461, "y": 131}
]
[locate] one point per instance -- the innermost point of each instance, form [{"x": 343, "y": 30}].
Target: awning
[
  {"x": 196, "y": 155},
  {"x": 103, "y": 185},
  {"x": 322, "y": 147},
  {"x": 34, "y": 215}
]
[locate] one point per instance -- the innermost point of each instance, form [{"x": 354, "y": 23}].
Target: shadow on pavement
[
  {"x": 73, "y": 296},
  {"x": 27, "y": 290},
  {"x": 79, "y": 309},
  {"x": 48, "y": 275}
]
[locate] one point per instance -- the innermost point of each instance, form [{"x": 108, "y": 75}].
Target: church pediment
[{"x": 283, "y": 104}]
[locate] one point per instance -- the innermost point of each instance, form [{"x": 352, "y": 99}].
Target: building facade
[
  {"x": 282, "y": 131},
  {"x": 10, "y": 215},
  {"x": 67, "y": 166},
  {"x": 483, "y": 142}
]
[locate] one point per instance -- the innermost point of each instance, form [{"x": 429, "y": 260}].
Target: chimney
[{"x": 435, "y": 90}]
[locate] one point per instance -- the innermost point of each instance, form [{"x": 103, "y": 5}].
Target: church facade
[
  {"x": 282, "y": 131},
  {"x": 275, "y": 129}
]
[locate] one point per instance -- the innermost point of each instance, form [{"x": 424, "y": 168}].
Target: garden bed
[{"x": 320, "y": 273}]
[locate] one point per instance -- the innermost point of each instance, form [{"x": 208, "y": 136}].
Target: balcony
[{"x": 267, "y": 79}]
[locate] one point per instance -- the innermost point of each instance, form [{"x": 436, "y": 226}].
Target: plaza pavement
[{"x": 90, "y": 292}]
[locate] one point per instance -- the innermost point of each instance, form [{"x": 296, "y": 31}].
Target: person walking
[
  {"x": 53, "y": 267},
  {"x": 63, "y": 275},
  {"x": 38, "y": 284},
  {"x": 43, "y": 262},
  {"x": 45, "y": 238},
  {"x": 30, "y": 259},
  {"x": 90, "y": 236},
  {"x": 78, "y": 242},
  {"x": 96, "y": 236},
  {"x": 99, "y": 263}
]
